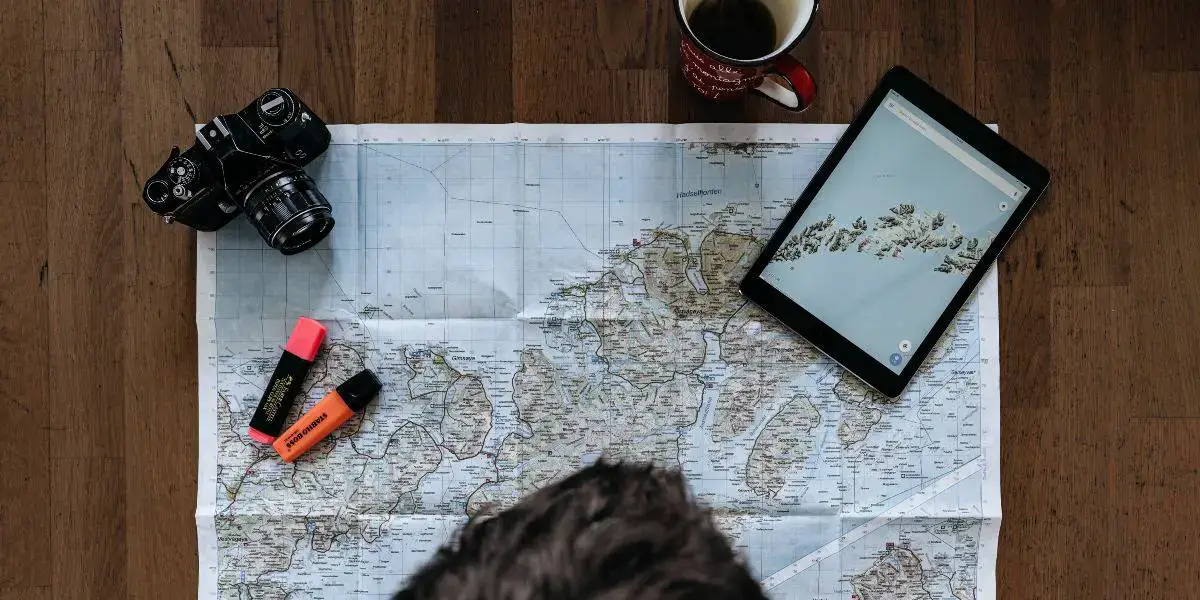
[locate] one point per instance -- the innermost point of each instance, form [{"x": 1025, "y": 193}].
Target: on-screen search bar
[{"x": 952, "y": 149}]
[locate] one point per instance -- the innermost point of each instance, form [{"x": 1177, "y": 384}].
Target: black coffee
[{"x": 741, "y": 29}]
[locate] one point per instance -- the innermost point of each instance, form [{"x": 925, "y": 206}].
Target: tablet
[{"x": 894, "y": 231}]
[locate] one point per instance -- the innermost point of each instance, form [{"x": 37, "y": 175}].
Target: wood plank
[
  {"x": 862, "y": 15},
  {"x": 83, "y": 25},
  {"x": 22, "y": 110},
  {"x": 85, "y": 275},
  {"x": 861, "y": 57},
  {"x": 316, "y": 56},
  {"x": 257, "y": 69},
  {"x": 87, "y": 501},
  {"x": 26, "y": 593},
  {"x": 558, "y": 66},
  {"x": 474, "y": 70},
  {"x": 1012, "y": 90},
  {"x": 161, "y": 78},
  {"x": 1017, "y": 30},
  {"x": 1015, "y": 95},
  {"x": 937, "y": 42},
  {"x": 395, "y": 61},
  {"x": 240, "y": 23},
  {"x": 1158, "y": 509},
  {"x": 1089, "y": 128},
  {"x": 86, "y": 238},
  {"x": 1165, "y": 35},
  {"x": 158, "y": 325},
  {"x": 1162, "y": 219},
  {"x": 24, "y": 409},
  {"x": 565, "y": 68},
  {"x": 1058, "y": 451},
  {"x": 630, "y": 33},
  {"x": 161, "y": 415},
  {"x": 640, "y": 95}
]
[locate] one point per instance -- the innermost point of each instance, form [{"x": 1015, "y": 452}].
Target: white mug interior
[{"x": 791, "y": 19}]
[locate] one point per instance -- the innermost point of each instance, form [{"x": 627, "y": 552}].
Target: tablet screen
[{"x": 895, "y": 232}]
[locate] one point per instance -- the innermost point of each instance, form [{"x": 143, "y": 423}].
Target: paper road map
[{"x": 534, "y": 297}]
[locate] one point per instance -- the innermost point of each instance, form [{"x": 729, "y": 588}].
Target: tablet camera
[{"x": 896, "y": 359}]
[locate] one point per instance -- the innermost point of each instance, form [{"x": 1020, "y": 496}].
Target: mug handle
[{"x": 800, "y": 90}]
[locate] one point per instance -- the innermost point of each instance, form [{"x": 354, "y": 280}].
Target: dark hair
[{"x": 608, "y": 532}]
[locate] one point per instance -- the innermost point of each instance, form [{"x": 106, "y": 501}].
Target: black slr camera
[{"x": 251, "y": 162}]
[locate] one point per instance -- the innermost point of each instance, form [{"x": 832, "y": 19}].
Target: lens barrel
[{"x": 289, "y": 212}]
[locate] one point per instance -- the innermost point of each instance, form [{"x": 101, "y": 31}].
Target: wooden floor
[{"x": 1100, "y": 293}]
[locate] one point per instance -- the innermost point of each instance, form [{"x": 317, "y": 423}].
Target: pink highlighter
[{"x": 302, "y": 348}]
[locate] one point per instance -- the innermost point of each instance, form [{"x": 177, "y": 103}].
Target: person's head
[{"x": 608, "y": 532}]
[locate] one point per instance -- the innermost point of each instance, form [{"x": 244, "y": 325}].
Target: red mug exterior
[{"x": 777, "y": 77}]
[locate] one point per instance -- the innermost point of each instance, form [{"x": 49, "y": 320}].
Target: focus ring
[{"x": 289, "y": 211}]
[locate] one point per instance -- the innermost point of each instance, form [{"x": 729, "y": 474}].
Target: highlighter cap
[
  {"x": 358, "y": 391},
  {"x": 306, "y": 339}
]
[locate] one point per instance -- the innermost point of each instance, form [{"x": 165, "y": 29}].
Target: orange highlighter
[{"x": 334, "y": 409}]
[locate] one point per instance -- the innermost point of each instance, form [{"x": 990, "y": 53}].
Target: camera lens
[{"x": 289, "y": 212}]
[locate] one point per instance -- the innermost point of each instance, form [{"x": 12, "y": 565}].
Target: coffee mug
[{"x": 775, "y": 75}]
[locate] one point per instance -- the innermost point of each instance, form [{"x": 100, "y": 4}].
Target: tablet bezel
[{"x": 975, "y": 134}]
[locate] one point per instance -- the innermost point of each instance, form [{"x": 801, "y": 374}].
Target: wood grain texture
[
  {"x": 1091, "y": 84},
  {"x": 1015, "y": 93},
  {"x": 22, "y": 106},
  {"x": 1077, "y": 426},
  {"x": 1100, "y": 307},
  {"x": 82, "y": 25},
  {"x": 26, "y": 593},
  {"x": 24, "y": 376},
  {"x": 316, "y": 56},
  {"x": 171, "y": 69},
  {"x": 1164, "y": 216},
  {"x": 474, "y": 62},
  {"x": 24, "y": 409},
  {"x": 87, "y": 503},
  {"x": 395, "y": 61},
  {"x": 240, "y": 22},
  {"x": 85, "y": 275},
  {"x": 1158, "y": 476},
  {"x": 1165, "y": 35}
]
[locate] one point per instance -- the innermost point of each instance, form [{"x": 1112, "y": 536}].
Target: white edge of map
[
  {"x": 206, "y": 279},
  {"x": 585, "y": 133},
  {"x": 206, "y": 476},
  {"x": 989, "y": 375}
]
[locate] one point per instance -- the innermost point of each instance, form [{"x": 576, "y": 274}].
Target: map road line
[{"x": 924, "y": 495}]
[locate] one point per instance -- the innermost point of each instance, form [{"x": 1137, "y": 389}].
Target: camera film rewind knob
[
  {"x": 276, "y": 108},
  {"x": 157, "y": 191}
]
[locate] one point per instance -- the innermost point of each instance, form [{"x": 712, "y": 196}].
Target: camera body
[{"x": 250, "y": 162}]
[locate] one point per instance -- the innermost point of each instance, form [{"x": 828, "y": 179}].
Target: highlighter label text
[
  {"x": 299, "y": 435},
  {"x": 276, "y": 396}
]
